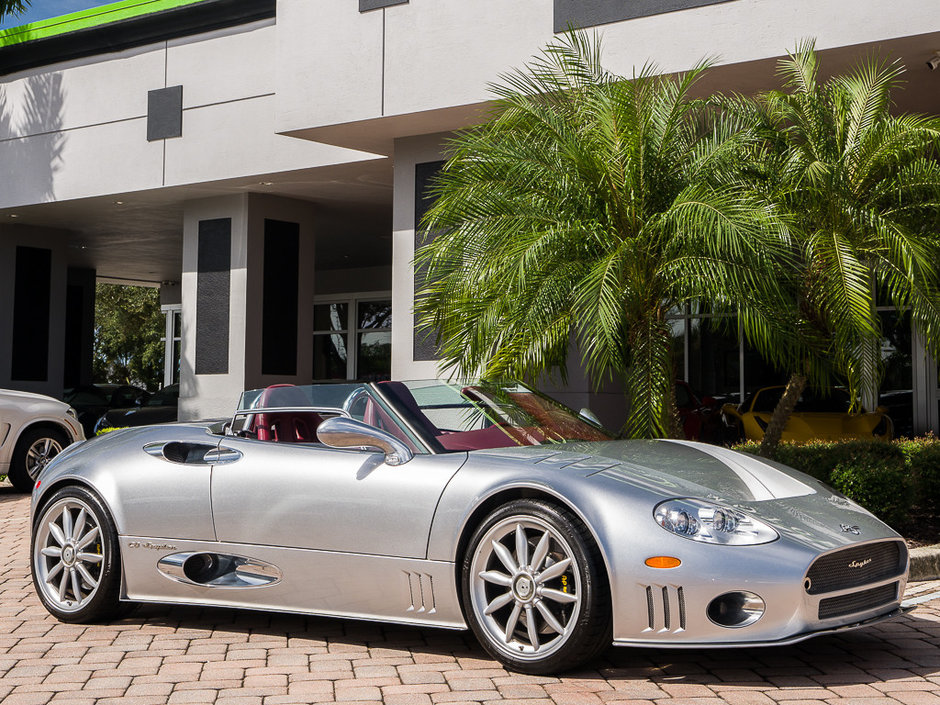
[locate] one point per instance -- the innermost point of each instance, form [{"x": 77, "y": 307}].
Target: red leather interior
[{"x": 286, "y": 426}]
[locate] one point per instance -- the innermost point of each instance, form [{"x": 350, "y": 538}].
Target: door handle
[{"x": 220, "y": 456}]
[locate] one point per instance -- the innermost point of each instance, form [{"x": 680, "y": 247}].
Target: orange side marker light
[{"x": 663, "y": 562}]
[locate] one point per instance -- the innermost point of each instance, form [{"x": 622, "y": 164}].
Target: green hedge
[{"x": 895, "y": 481}]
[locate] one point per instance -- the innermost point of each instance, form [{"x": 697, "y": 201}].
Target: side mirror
[
  {"x": 340, "y": 432},
  {"x": 589, "y": 415}
]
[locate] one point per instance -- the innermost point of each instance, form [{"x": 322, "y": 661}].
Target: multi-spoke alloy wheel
[
  {"x": 531, "y": 584},
  {"x": 34, "y": 450},
  {"x": 39, "y": 454},
  {"x": 73, "y": 561}
]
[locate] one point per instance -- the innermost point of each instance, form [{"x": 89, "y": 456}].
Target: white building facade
[{"x": 265, "y": 163}]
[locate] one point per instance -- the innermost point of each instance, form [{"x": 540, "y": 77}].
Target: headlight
[
  {"x": 71, "y": 412},
  {"x": 703, "y": 521}
]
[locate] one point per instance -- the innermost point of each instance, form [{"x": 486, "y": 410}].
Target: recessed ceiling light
[
  {"x": 14, "y": 215},
  {"x": 119, "y": 203},
  {"x": 266, "y": 183}
]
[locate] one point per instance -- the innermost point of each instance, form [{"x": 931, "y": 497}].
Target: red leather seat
[{"x": 285, "y": 426}]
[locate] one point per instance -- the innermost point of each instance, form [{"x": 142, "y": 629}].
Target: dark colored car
[
  {"x": 159, "y": 407},
  {"x": 700, "y": 416},
  {"x": 90, "y": 401}
]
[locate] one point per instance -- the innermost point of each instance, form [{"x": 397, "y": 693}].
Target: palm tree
[
  {"x": 861, "y": 191},
  {"x": 13, "y": 7},
  {"x": 584, "y": 211}
]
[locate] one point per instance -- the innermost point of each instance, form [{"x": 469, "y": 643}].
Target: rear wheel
[
  {"x": 74, "y": 552},
  {"x": 35, "y": 448},
  {"x": 534, "y": 588}
]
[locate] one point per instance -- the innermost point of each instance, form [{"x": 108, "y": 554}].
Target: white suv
[{"x": 33, "y": 429}]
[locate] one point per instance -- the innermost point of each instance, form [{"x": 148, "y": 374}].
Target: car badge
[
  {"x": 851, "y": 529},
  {"x": 860, "y": 564}
]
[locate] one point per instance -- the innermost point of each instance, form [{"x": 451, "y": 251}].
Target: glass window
[
  {"x": 375, "y": 314},
  {"x": 352, "y": 339},
  {"x": 713, "y": 357},
  {"x": 374, "y": 356},
  {"x": 330, "y": 317},
  {"x": 895, "y": 392},
  {"x": 329, "y": 356}
]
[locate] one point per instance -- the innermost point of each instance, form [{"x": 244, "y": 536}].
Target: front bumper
[
  {"x": 786, "y": 641},
  {"x": 670, "y": 608}
]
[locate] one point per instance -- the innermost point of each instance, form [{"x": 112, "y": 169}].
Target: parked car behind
[
  {"x": 33, "y": 429},
  {"x": 816, "y": 416},
  {"x": 90, "y": 401},
  {"x": 159, "y": 407},
  {"x": 700, "y": 415}
]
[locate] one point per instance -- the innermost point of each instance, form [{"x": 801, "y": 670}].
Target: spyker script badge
[
  {"x": 850, "y": 529},
  {"x": 860, "y": 564},
  {"x": 151, "y": 546}
]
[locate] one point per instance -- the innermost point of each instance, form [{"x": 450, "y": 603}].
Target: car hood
[
  {"x": 13, "y": 399},
  {"x": 676, "y": 468},
  {"x": 799, "y": 505}
]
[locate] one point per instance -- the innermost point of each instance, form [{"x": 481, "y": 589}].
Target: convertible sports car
[{"x": 483, "y": 505}]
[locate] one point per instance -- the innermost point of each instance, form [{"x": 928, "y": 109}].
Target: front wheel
[
  {"x": 534, "y": 587},
  {"x": 75, "y": 565},
  {"x": 33, "y": 452}
]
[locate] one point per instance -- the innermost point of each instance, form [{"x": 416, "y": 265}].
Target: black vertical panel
[
  {"x": 74, "y": 307},
  {"x": 31, "y": 307},
  {"x": 79, "y": 326},
  {"x": 213, "y": 285},
  {"x": 366, "y": 5},
  {"x": 425, "y": 344},
  {"x": 280, "y": 305}
]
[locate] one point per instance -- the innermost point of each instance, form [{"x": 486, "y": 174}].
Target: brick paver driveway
[{"x": 190, "y": 655}]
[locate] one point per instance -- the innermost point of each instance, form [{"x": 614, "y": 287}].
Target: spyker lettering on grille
[{"x": 459, "y": 505}]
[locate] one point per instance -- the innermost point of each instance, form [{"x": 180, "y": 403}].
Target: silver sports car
[{"x": 485, "y": 506}]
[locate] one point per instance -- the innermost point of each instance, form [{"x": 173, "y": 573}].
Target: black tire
[
  {"x": 575, "y": 594},
  {"x": 23, "y": 468},
  {"x": 100, "y": 602}
]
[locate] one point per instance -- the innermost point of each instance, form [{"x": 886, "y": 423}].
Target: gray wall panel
[
  {"x": 165, "y": 113},
  {"x": 589, "y": 13},
  {"x": 213, "y": 282}
]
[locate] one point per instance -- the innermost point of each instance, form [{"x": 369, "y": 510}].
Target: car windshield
[{"x": 433, "y": 416}]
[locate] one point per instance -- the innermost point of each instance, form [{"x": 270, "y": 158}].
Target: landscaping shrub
[
  {"x": 885, "y": 488},
  {"x": 923, "y": 457}
]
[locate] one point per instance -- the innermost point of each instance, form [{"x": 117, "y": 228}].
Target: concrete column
[
  {"x": 32, "y": 309},
  {"x": 237, "y": 315},
  {"x": 412, "y": 358}
]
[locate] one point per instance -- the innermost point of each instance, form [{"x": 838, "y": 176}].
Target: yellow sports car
[{"x": 820, "y": 417}]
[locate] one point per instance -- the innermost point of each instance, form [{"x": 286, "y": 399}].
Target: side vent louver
[
  {"x": 420, "y": 592},
  {"x": 663, "y": 604}
]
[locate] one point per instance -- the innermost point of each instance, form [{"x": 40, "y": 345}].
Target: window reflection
[{"x": 895, "y": 392}]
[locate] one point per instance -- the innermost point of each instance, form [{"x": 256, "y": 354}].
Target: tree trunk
[
  {"x": 782, "y": 413},
  {"x": 673, "y": 421}
]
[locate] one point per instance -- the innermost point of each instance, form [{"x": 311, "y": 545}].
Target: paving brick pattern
[{"x": 227, "y": 657}]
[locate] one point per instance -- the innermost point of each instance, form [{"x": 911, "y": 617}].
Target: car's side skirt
[{"x": 402, "y": 590}]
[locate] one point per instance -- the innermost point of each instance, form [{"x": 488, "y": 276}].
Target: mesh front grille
[
  {"x": 857, "y": 566},
  {"x": 857, "y": 601}
]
